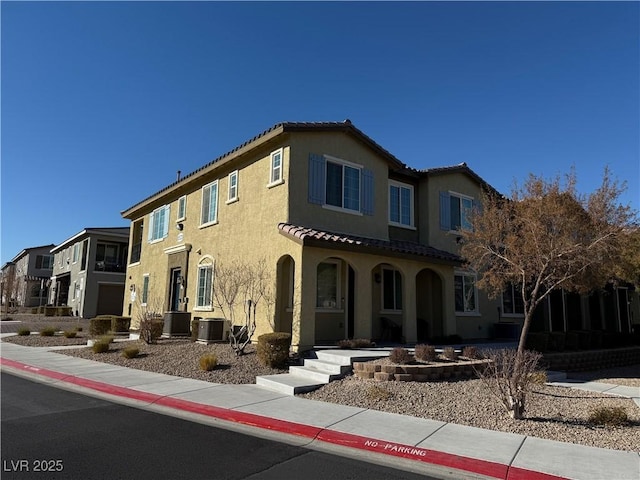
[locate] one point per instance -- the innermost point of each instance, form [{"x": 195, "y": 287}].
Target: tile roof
[{"x": 318, "y": 238}]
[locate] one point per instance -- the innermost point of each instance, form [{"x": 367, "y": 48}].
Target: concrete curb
[{"x": 458, "y": 463}]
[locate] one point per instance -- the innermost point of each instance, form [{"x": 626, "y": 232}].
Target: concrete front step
[
  {"x": 314, "y": 374},
  {"x": 347, "y": 357},
  {"x": 287, "y": 383},
  {"x": 329, "y": 367}
]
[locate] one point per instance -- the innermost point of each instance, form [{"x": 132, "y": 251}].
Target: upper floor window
[
  {"x": 340, "y": 184},
  {"x": 76, "y": 252},
  {"x": 44, "y": 262},
  {"x": 159, "y": 223},
  {"x": 400, "y": 204},
  {"x": 232, "y": 194},
  {"x": 276, "y": 167},
  {"x": 209, "y": 213},
  {"x": 466, "y": 294},
  {"x": 455, "y": 211},
  {"x": 182, "y": 208},
  {"x": 110, "y": 257},
  {"x": 512, "y": 302},
  {"x": 136, "y": 240}
]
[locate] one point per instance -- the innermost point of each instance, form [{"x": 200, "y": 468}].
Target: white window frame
[
  {"x": 460, "y": 197},
  {"x": 382, "y": 284},
  {"x": 205, "y": 264},
  {"x": 464, "y": 274},
  {"x": 209, "y": 221},
  {"x": 164, "y": 230},
  {"x": 232, "y": 187},
  {"x": 343, "y": 163},
  {"x": 182, "y": 209},
  {"x": 400, "y": 185},
  {"x": 276, "y": 176},
  {"x": 144, "y": 296},
  {"x": 338, "y": 302},
  {"x": 514, "y": 291}
]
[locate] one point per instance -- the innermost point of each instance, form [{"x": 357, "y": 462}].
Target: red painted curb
[{"x": 458, "y": 462}]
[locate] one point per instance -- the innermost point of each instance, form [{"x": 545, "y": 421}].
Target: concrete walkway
[{"x": 414, "y": 444}]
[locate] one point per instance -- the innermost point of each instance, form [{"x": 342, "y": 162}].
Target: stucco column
[
  {"x": 449, "y": 313},
  {"x": 363, "y": 327},
  {"x": 304, "y": 322},
  {"x": 410, "y": 327}
]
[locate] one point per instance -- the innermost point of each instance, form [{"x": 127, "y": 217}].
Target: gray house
[
  {"x": 89, "y": 271},
  {"x": 25, "y": 278}
]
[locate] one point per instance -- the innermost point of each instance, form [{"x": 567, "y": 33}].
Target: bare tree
[
  {"x": 545, "y": 237},
  {"x": 238, "y": 281},
  {"x": 149, "y": 316}
]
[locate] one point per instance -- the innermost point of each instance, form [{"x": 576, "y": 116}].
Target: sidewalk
[{"x": 414, "y": 444}]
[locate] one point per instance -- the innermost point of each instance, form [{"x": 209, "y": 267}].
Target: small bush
[
  {"x": 470, "y": 352},
  {"x": 538, "y": 378},
  {"x": 23, "y": 332},
  {"x": 100, "y": 347},
  {"x": 208, "y": 362},
  {"x": 120, "y": 324},
  {"x": 355, "y": 343},
  {"x": 47, "y": 332},
  {"x": 376, "y": 392},
  {"x": 69, "y": 334},
  {"x": 450, "y": 353},
  {"x": 273, "y": 349},
  {"x": 609, "y": 416},
  {"x": 106, "y": 338},
  {"x": 400, "y": 356},
  {"x": 130, "y": 352},
  {"x": 99, "y": 325},
  {"x": 151, "y": 329},
  {"x": 425, "y": 353}
]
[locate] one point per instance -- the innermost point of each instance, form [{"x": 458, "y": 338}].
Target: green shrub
[
  {"x": 106, "y": 338},
  {"x": 376, "y": 392},
  {"x": 425, "y": 353},
  {"x": 609, "y": 416},
  {"x": 195, "y": 326},
  {"x": 151, "y": 329},
  {"x": 400, "y": 356},
  {"x": 470, "y": 352},
  {"x": 23, "y": 332},
  {"x": 69, "y": 334},
  {"x": 208, "y": 362},
  {"x": 99, "y": 325},
  {"x": 355, "y": 343},
  {"x": 450, "y": 353},
  {"x": 100, "y": 347},
  {"x": 47, "y": 332},
  {"x": 120, "y": 324},
  {"x": 130, "y": 352},
  {"x": 273, "y": 349}
]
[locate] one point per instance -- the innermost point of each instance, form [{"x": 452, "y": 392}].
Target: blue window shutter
[
  {"x": 367, "y": 192},
  {"x": 150, "y": 228},
  {"x": 445, "y": 211},
  {"x": 165, "y": 221},
  {"x": 317, "y": 174}
]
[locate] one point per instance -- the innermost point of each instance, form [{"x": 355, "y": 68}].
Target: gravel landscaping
[{"x": 552, "y": 412}]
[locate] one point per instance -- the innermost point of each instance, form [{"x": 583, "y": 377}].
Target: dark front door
[{"x": 176, "y": 283}]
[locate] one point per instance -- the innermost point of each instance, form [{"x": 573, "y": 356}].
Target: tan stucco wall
[
  {"x": 345, "y": 148},
  {"x": 246, "y": 229}
]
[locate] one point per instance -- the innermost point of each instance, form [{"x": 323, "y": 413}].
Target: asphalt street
[{"x": 52, "y": 433}]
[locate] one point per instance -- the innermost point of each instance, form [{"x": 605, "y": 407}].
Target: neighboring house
[
  {"x": 89, "y": 271},
  {"x": 354, "y": 239},
  {"x": 25, "y": 278}
]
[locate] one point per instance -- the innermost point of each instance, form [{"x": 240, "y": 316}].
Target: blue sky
[{"x": 103, "y": 102}]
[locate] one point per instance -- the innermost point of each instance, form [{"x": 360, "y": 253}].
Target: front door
[{"x": 176, "y": 284}]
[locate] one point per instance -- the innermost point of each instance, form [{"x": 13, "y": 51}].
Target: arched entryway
[
  {"x": 429, "y": 305},
  {"x": 388, "y": 303},
  {"x": 335, "y": 300},
  {"x": 285, "y": 288}
]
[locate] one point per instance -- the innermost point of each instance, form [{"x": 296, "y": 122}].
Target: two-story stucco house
[
  {"x": 27, "y": 277},
  {"x": 89, "y": 271},
  {"x": 354, "y": 238}
]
